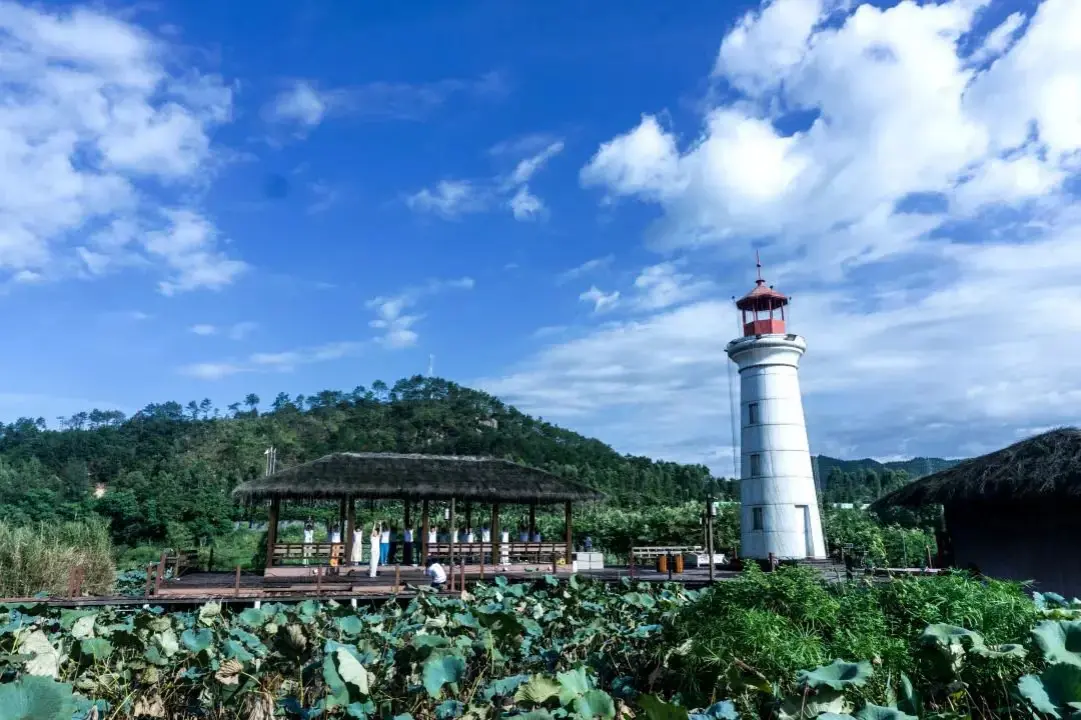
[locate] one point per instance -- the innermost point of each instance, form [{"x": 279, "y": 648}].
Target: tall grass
[{"x": 40, "y": 558}]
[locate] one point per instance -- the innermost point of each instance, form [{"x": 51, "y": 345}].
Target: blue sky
[{"x": 555, "y": 200}]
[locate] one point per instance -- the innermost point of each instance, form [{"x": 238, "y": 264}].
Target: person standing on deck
[
  {"x": 309, "y": 538},
  {"x": 384, "y": 544},
  {"x": 407, "y": 547},
  {"x": 357, "y": 554},
  {"x": 536, "y": 537},
  {"x": 504, "y": 548},
  {"x": 433, "y": 535},
  {"x": 373, "y": 553},
  {"x": 485, "y": 539},
  {"x": 523, "y": 534}
]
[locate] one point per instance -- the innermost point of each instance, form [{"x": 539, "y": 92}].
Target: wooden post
[
  {"x": 482, "y": 557},
  {"x": 210, "y": 560},
  {"x": 453, "y": 527},
  {"x": 497, "y": 537},
  {"x": 350, "y": 526},
  {"x": 319, "y": 580},
  {"x": 236, "y": 582},
  {"x": 709, "y": 540},
  {"x": 397, "y": 578},
  {"x": 532, "y": 520},
  {"x": 425, "y": 528},
  {"x": 930, "y": 565},
  {"x": 468, "y": 514},
  {"x": 161, "y": 572},
  {"x": 408, "y": 514},
  {"x": 570, "y": 537},
  {"x": 631, "y": 566},
  {"x": 272, "y": 530},
  {"x": 461, "y": 575},
  {"x": 149, "y": 579}
]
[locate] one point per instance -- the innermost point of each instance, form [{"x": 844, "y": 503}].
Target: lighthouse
[{"x": 779, "y": 507}]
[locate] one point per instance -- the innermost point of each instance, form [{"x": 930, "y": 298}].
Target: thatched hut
[
  {"x": 1014, "y": 513},
  {"x": 413, "y": 478}
]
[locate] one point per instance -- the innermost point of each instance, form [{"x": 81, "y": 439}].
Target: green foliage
[
  {"x": 40, "y": 558},
  {"x": 169, "y": 469},
  {"x": 439, "y": 656}
]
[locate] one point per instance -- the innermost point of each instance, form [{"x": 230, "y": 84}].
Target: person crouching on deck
[{"x": 438, "y": 575}]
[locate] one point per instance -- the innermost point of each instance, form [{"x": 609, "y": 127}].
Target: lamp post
[{"x": 711, "y": 511}]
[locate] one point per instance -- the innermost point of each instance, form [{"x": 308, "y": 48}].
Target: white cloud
[
  {"x": 189, "y": 247},
  {"x": 282, "y": 361},
  {"x": 395, "y": 323},
  {"x": 585, "y": 268},
  {"x": 303, "y": 106},
  {"x": 95, "y": 130},
  {"x": 919, "y": 204},
  {"x": 453, "y": 198},
  {"x": 237, "y": 331},
  {"x": 601, "y": 300},
  {"x": 449, "y": 199},
  {"x": 300, "y": 104}
]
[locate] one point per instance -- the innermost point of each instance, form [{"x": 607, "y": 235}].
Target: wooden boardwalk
[{"x": 198, "y": 588}]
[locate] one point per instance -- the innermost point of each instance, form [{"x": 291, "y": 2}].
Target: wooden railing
[
  {"x": 307, "y": 553},
  {"x": 653, "y": 552},
  {"x": 182, "y": 561},
  {"x": 528, "y": 551}
]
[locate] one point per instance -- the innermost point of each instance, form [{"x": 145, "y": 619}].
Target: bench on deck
[
  {"x": 307, "y": 554},
  {"x": 537, "y": 552}
]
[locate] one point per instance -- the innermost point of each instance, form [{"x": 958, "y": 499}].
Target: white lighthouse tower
[{"x": 779, "y": 507}]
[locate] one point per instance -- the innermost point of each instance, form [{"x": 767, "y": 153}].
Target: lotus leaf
[
  {"x": 723, "y": 710},
  {"x": 252, "y": 617},
  {"x": 657, "y": 709},
  {"x": 351, "y": 671},
  {"x": 36, "y": 698},
  {"x": 595, "y": 704},
  {"x": 449, "y": 709},
  {"x": 350, "y": 625},
  {"x": 538, "y": 690},
  {"x": 877, "y": 712},
  {"x": 197, "y": 641},
  {"x": 503, "y": 687},
  {"x": 97, "y": 649},
  {"x": 83, "y": 627},
  {"x": 208, "y": 612},
  {"x": 1059, "y": 640},
  {"x": 837, "y": 675},
  {"x": 440, "y": 670},
  {"x": 46, "y": 660},
  {"x": 1056, "y": 688},
  {"x": 572, "y": 684},
  {"x": 826, "y": 700}
]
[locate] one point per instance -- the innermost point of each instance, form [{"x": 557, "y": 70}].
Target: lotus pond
[{"x": 762, "y": 645}]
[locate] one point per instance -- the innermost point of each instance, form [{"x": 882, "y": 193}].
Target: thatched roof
[
  {"x": 1044, "y": 467},
  {"x": 391, "y": 476}
]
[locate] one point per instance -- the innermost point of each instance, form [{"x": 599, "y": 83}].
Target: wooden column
[
  {"x": 272, "y": 530},
  {"x": 532, "y": 520},
  {"x": 425, "y": 526},
  {"x": 570, "y": 540},
  {"x": 468, "y": 514},
  {"x": 497, "y": 537},
  {"x": 408, "y": 514},
  {"x": 350, "y": 525},
  {"x": 341, "y": 517},
  {"x": 452, "y": 521}
]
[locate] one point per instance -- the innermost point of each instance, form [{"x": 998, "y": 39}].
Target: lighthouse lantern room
[{"x": 779, "y": 505}]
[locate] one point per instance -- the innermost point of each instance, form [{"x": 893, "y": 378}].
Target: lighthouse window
[
  {"x": 756, "y": 518},
  {"x": 756, "y": 465},
  {"x": 752, "y": 414}
]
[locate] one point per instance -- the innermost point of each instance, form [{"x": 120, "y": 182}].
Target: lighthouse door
[{"x": 803, "y": 515}]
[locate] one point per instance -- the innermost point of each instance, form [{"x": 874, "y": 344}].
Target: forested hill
[
  {"x": 915, "y": 468},
  {"x": 169, "y": 468}
]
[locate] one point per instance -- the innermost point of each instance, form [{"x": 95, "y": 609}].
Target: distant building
[
  {"x": 99, "y": 490},
  {"x": 1014, "y": 513},
  {"x": 779, "y": 514}
]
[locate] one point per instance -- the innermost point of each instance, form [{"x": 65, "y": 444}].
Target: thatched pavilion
[
  {"x": 1014, "y": 513},
  {"x": 414, "y": 478}
]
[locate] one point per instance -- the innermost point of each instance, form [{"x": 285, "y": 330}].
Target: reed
[{"x": 39, "y": 558}]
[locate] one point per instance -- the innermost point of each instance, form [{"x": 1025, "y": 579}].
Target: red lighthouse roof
[{"x": 763, "y": 300}]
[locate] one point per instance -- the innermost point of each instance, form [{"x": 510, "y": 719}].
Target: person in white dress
[
  {"x": 309, "y": 538},
  {"x": 357, "y": 554},
  {"x": 485, "y": 539},
  {"x": 433, "y": 535},
  {"x": 504, "y": 548},
  {"x": 373, "y": 557}
]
